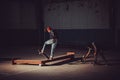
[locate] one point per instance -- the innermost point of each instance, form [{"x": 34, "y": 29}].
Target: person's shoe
[
  {"x": 51, "y": 58},
  {"x": 40, "y": 52}
]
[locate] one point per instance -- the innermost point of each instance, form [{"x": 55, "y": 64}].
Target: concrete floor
[{"x": 68, "y": 71}]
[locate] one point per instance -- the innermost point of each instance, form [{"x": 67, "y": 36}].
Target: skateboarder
[{"x": 51, "y": 41}]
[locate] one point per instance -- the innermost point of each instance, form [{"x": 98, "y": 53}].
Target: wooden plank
[
  {"x": 26, "y": 61},
  {"x": 66, "y": 57},
  {"x": 58, "y": 62}
]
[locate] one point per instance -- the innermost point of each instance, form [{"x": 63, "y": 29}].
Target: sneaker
[
  {"x": 51, "y": 58},
  {"x": 40, "y": 52}
]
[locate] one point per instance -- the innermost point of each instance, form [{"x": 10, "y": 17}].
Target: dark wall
[
  {"x": 78, "y": 14},
  {"x": 103, "y": 38},
  {"x": 22, "y": 24},
  {"x": 79, "y": 22},
  {"x": 104, "y": 35},
  {"x": 15, "y": 37},
  {"x": 117, "y": 22}
]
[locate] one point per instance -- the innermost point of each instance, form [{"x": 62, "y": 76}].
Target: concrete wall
[
  {"x": 18, "y": 14},
  {"x": 80, "y": 14},
  {"x": 21, "y": 22},
  {"x": 77, "y": 22},
  {"x": 117, "y": 22}
]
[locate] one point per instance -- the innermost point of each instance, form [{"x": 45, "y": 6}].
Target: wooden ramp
[{"x": 56, "y": 60}]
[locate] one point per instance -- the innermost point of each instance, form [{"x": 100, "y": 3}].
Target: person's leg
[
  {"x": 42, "y": 50},
  {"x": 46, "y": 43},
  {"x": 52, "y": 49}
]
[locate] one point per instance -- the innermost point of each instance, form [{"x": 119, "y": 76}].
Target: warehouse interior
[{"x": 78, "y": 23}]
